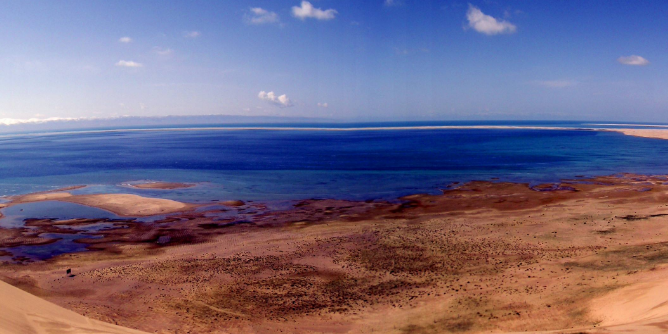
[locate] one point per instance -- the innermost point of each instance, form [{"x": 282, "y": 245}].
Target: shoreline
[{"x": 512, "y": 252}]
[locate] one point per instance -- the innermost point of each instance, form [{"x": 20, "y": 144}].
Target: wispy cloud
[
  {"x": 556, "y": 83},
  {"x": 259, "y": 15},
  {"x": 192, "y": 34},
  {"x": 128, "y": 63},
  {"x": 392, "y": 3},
  {"x": 306, "y": 10},
  {"x": 404, "y": 51},
  {"x": 281, "y": 101},
  {"x": 486, "y": 24},
  {"x": 125, "y": 39},
  {"x": 163, "y": 51},
  {"x": 323, "y": 105},
  {"x": 633, "y": 60}
]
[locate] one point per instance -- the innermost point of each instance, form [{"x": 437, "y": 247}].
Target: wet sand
[{"x": 582, "y": 256}]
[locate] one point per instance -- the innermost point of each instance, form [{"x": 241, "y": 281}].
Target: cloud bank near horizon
[
  {"x": 34, "y": 120},
  {"x": 9, "y": 125}
]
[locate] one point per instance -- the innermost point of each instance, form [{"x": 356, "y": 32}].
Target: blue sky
[{"x": 345, "y": 60}]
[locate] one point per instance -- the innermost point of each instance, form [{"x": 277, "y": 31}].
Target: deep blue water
[{"x": 269, "y": 165}]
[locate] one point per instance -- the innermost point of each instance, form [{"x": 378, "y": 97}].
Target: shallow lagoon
[{"x": 15, "y": 216}]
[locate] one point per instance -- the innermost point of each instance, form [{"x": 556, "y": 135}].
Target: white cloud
[
  {"x": 306, "y": 10},
  {"x": 323, "y": 105},
  {"x": 556, "y": 83},
  {"x": 282, "y": 101},
  {"x": 633, "y": 60},
  {"x": 128, "y": 63},
  {"x": 392, "y": 3},
  {"x": 258, "y": 15},
  {"x": 163, "y": 51},
  {"x": 125, "y": 39},
  {"x": 191, "y": 34},
  {"x": 486, "y": 24}
]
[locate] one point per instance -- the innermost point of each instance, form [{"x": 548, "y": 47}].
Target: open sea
[{"x": 307, "y": 161}]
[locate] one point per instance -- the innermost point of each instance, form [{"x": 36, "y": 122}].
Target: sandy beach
[{"x": 580, "y": 256}]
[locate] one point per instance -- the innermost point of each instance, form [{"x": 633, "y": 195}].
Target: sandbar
[
  {"x": 127, "y": 205},
  {"x": 645, "y": 133}
]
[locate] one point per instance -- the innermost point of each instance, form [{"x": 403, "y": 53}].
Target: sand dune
[
  {"x": 638, "y": 308},
  {"x": 23, "y": 313}
]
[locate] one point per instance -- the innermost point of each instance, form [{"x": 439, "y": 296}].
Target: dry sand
[{"x": 23, "y": 313}]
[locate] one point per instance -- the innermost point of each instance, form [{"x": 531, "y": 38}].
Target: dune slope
[{"x": 23, "y": 313}]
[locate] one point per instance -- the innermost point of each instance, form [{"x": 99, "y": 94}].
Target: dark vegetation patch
[
  {"x": 13, "y": 237},
  {"x": 420, "y": 251},
  {"x": 638, "y": 217},
  {"x": 607, "y": 231},
  {"x": 210, "y": 226}
]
